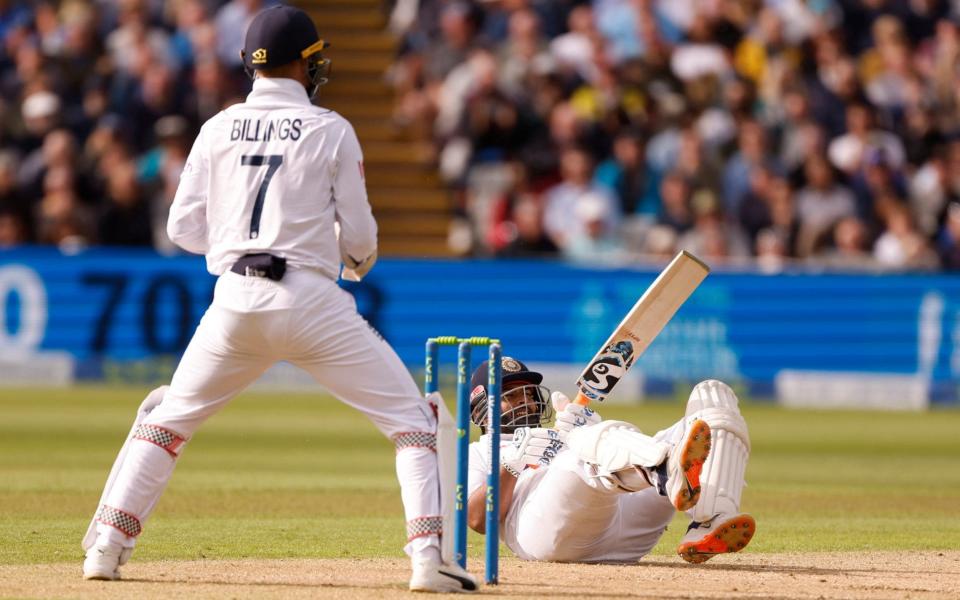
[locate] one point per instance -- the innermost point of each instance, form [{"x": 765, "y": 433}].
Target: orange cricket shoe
[
  {"x": 686, "y": 463},
  {"x": 720, "y": 535}
]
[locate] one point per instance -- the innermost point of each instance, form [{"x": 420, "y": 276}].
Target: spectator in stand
[
  {"x": 11, "y": 195},
  {"x": 136, "y": 31},
  {"x": 520, "y": 53},
  {"x": 13, "y": 15},
  {"x": 928, "y": 190},
  {"x": 901, "y": 245},
  {"x": 525, "y": 235},
  {"x": 876, "y": 180},
  {"x": 851, "y": 246},
  {"x": 756, "y": 210},
  {"x": 83, "y": 84},
  {"x": 833, "y": 83},
  {"x": 626, "y": 173},
  {"x": 561, "y": 220},
  {"x": 712, "y": 237},
  {"x": 752, "y": 154},
  {"x": 660, "y": 242},
  {"x": 13, "y": 229},
  {"x": 887, "y": 68},
  {"x": 694, "y": 163},
  {"x": 675, "y": 211},
  {"x": 576, "y": 50},
  {"x": 59, "y": 150},
  {"x": 63, "y": 221},
  {"x": 41, "y": 111},
  {"x": 848, "y": 151},
  {"x": 232, "y": 21},
  {"x": 798, "y": 133},
  {"x": 596, "y": 239},
  {"x": 948, "y": 243},
  {"x": 820, "y": 204},
  {"x": 159, "y": 171},
  {"x": 126, "y": 214},
  {"x": 771, "y": 250}
]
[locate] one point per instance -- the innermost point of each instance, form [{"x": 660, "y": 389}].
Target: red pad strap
[
  {"x": 415, "y": 439},
  {"x": 166, "y": 439},
  {"x": 123, "y": 521},
  {"x": 422, "y": 526}
]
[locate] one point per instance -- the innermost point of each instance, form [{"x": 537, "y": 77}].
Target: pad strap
[
  {"x": 158, "y": 436},
  {"x": 124, "y": 521},
  {"x": 423, "y": 526},
  {"x": 415, "y": 439}
]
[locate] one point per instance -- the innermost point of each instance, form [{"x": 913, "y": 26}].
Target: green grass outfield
[{"x": 297, "y": 475}]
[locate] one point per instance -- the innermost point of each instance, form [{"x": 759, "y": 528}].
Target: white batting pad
[
  {"x": 149, "y": 403},
  {"x": 616, "y": 445},
  {"x": 447, "y": 468},
  {"x": 722, "y": 478}
]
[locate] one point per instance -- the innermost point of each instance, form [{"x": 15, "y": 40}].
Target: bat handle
[{"x": 581, "y": 399}]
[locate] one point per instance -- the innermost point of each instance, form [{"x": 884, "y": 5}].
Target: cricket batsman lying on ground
[{"x": 601, "y": 491}]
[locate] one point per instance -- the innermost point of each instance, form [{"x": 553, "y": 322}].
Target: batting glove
[
  {"x": 571, "y": 415},
  {"x": 530, "y": 447}
]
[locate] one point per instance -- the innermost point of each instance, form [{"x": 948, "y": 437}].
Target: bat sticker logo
[{"x": 606, "y": 370}]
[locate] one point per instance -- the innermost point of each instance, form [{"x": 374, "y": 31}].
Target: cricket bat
[{"x": 642, "y": 324}]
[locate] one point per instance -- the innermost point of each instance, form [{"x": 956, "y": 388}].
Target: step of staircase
[
  {"x": 378, "y": 130},
  {"x": 335, "y": 18},
  {"x": 389, "y": 201},
  {"x": 340, "y": 4},
  {"x": 414, "y": 246},
  {"x": 342, "y": 86},
  {"x": 361, "y": 41},
  {"x": 420, "y": 224},
  {"x": 410, "y": 202},
  {"x": 399, "y": 176},
  {"x": 396, "y": 153},
  {"x": 365, "y": 63}
]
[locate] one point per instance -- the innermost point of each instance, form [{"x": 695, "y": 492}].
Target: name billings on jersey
[{"x": 256, "y": 130}]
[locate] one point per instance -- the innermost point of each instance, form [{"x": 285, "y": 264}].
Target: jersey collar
[{"x": 266, "y": 89}]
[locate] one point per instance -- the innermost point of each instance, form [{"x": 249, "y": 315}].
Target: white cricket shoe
[
  {"x": 103, "y": 561},
  {"x": 685, "y": 464},
  {"x": 719, "y": 535},
  {"x": 433, "y": 576}
]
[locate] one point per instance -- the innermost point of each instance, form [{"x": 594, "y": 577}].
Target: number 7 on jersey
[{"x": 273, "y": 162}]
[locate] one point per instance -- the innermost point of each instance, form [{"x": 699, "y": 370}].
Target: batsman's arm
[{"x": 477, "y": 502}]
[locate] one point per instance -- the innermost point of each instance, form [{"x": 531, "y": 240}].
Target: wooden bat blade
[{"x": 642, "y": 324}]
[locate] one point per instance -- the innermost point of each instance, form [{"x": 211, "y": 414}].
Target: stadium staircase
[{"x": 409, "y": 200}]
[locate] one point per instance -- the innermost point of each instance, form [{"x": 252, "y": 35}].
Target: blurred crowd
[
  {"x": 100, "y": 103},
  {"x": 823, "y": 132}
]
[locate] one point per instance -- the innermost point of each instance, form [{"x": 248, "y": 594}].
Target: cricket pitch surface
[{"x": 870, "y": 575}]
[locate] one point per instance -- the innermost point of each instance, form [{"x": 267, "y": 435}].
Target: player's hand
[
  {"x": 571, "y": 415},
  {"x": 531, "y": 447},
  {"x": 355, "y": 271}
]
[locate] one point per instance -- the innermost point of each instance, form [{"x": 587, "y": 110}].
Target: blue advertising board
[{"x": 113, "y": 308}]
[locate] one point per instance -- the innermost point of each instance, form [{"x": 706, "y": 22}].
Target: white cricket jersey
[
  {"x": 272, "y": 175},
  {"x": 477, "y": 476}
]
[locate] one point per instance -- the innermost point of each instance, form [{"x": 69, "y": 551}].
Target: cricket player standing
[
  {"x": 266, "y": 185},
  {"x": 602, "y": 491}
]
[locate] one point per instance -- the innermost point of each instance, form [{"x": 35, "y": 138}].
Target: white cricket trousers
[
  {"x": 570, "y": 517},
  {"x": 305, "y": 319}
]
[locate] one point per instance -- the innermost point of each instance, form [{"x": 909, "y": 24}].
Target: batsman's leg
[
  {"x": 632, "y": 461},
  {"x": 213, "y": 370},
  {"x": 718, "y": 526}
]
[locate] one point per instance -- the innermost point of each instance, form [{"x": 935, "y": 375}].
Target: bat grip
[{"x": 581, "y": 399}]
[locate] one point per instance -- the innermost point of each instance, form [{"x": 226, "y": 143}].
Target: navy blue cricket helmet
[{"x": 529, "y": 404}]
